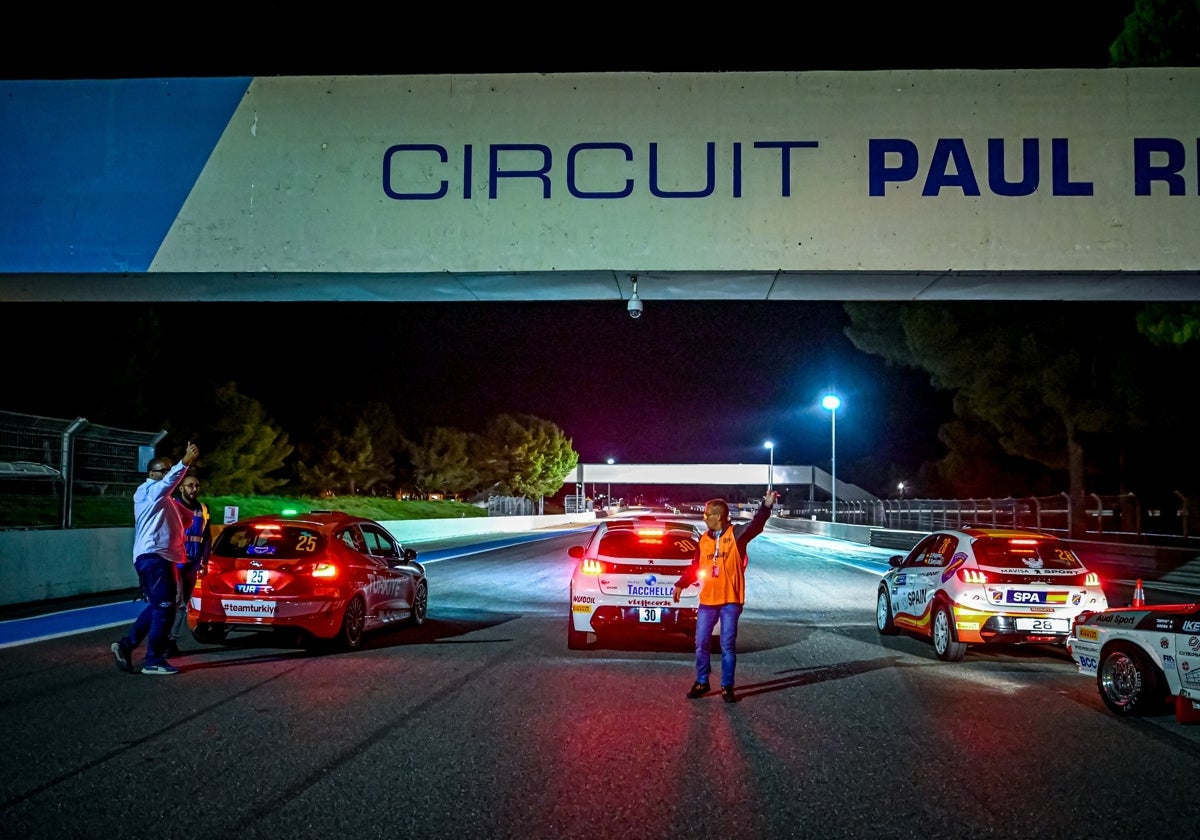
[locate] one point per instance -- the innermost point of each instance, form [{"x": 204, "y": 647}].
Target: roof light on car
[
  {"x": 1022, "y": 541},
  {"x": 650, "y": 535}
]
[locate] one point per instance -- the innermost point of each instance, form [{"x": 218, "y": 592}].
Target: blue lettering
[
  {"x": 785, "y": 147},
  {"x": 571, "y": 172},
  {"x": 410, "y": 170},
  {"x": 878, "y": 171},
  {"x": 1060, "y": 169},
  {"x": 949, "y": 151},
  {"x": 710, "y": 175},
  {"x": 467, "y": 168},
  {"x": 1145, "y": 171},
  {"x": 495, "y": 173},
  {"x": 737, "y": 170},
  {"x": 1030, "y": 168},
  {"x": 421, "y": 171},
  {"x": 898, "y": 160},
  {"x": 412, "y": 147},
  {"x": 651, "y": 591}
]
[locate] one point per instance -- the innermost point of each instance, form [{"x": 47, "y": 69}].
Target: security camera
[{"x": 635, "y": 303}]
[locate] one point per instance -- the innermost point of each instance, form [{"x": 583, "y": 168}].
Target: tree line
[
  {"x": 248, "y": 453},
  {"x": 1096, "y": 393}
]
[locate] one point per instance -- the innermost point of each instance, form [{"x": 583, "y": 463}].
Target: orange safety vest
[{"x": 722, "y": 569}]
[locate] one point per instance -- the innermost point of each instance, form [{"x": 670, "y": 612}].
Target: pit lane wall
[{"x": 49, "y": 565}]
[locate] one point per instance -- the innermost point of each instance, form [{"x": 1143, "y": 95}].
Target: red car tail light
[
  {"x": 971, "y": 576},
  {"x": 324, "y": 571},
  {"x": 592, "y": 567},
  {"x": 1091, "y": 579},
  {"x": 211, "y": 567}
]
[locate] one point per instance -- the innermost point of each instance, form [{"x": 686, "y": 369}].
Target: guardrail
[
  {"x": 1171, "y": 569},
  {"x": 1123, "y": 517}
]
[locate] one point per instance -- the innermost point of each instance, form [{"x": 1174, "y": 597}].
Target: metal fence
[
  {"x": 58, "y": 473},
  {"x": 510, "y": 506},
  {"x": 1122, "y": 517}
]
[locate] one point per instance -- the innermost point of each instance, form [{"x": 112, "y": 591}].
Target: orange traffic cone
[
  {"x": 1139, "y": 597},
  {"x": 1187, "y": 710}
]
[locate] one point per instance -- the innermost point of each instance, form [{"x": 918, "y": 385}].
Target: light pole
[
  {"x": 900, "y": 487},
  {"x": 832, "y": 403},
  {"x": 771, "y": 475},
  {"x": 608, "y": 498}
]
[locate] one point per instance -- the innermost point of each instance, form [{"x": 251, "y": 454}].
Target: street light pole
[
  {"x": 608, "y": 498},
  {"x": 771, "y": 475},
  {"x": 832, "y": 403}
]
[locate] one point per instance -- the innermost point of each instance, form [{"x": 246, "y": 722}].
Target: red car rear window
[{"x": 276, "y": 542}]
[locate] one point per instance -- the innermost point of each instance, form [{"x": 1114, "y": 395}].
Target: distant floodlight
[
  {"x": 832, "y": 403},
  {"x": 770, "y": 445}
]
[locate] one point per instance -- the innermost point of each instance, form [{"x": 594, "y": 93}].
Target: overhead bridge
[{"x": 796, "y": 481}]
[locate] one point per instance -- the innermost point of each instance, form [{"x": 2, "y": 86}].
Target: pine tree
[{"x": 248, "y": 448}]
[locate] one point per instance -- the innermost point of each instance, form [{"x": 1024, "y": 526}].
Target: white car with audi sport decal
[
  {"x": 976, "y": 586},
  {"x": 1141, "y": 657},
  {"x": 623, "y": 578}
]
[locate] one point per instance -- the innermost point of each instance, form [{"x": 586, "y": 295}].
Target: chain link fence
[{"x": 57, "y": 473}]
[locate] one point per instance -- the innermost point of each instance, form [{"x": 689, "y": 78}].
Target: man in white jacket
[{"x": 158, "y": 544}]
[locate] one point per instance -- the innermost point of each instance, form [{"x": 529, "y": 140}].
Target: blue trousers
[
  {"x": 186, "y": 582},
  {"x": 706, "y": 620},
  {"x": 157, "y": 577}
]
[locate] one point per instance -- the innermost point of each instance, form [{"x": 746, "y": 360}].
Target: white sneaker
[{"x": 159, "y": 670}]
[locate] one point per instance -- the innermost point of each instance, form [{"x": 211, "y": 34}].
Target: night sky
[
  {"x": 286, "y": 39},
  {"x": 659, "y": 389}
]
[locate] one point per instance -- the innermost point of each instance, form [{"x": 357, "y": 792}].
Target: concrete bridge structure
[{"x": 792, "y": 481}]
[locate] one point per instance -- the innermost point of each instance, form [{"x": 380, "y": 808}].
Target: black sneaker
[
  {"x": 697, "y": 690},
  {"x": 727, "y": 694},
  {"x": 122, "y": 654}
]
